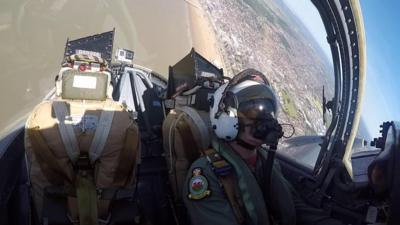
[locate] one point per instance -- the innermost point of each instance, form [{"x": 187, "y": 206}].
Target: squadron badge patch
[{"x": 198, "y": 185}]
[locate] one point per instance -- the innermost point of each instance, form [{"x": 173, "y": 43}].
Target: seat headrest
[{"x": 77, "y": 85}]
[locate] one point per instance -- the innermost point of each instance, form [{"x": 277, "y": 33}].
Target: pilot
[{"x": 229, "y": 183}]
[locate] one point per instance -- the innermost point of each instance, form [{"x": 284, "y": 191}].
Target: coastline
[{"x": 202, "y": 34}]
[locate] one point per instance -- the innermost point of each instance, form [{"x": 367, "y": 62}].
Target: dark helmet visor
[{"x": 257, "y": 109}]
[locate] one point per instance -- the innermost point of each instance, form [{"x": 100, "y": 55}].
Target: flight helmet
[{"x": 247, "y": 95}]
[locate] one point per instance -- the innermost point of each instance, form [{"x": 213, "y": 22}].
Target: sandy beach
[{"x": 203, "y": 36}]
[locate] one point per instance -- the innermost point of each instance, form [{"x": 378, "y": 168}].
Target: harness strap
[
  {"x": 101, "y": 134},
  {"x": 86, "y": 198},
  {"x": 89, "y": 208},
  {"x": 66, "y": 130},
  {"x": 228, "y": 180},
  {"x": 220, "y": 166},
  {"x": 86, "y": 194}
]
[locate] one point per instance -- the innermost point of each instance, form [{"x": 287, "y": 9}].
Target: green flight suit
[{"x": 206, "y": 202}]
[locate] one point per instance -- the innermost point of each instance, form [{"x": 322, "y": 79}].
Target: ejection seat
[
  {"x": 187, "y": 127},
  {"x": 83, "y": 149}
]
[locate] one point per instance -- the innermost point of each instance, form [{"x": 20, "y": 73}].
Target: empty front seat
[{"x": 83, "y": 149}]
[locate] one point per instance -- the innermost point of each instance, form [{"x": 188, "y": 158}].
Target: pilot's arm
[
  {"x": 293, "y": 209},
  {"x": 204, "y": 197},
  {"x": 307, "y": 214}
]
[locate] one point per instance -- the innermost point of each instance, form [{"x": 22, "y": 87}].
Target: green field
[{"x": 288, "y": 105}]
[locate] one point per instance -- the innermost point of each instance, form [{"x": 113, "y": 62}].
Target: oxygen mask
[{"x": 264, "y": 125}]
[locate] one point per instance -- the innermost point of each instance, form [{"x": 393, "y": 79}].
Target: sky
[
  {"x": 309, "y": 15},
  {"x": 381, "y": 100},
  {"x": 382, "y": 94}
]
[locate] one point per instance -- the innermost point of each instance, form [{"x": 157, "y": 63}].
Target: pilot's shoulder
[
  {"x": 201, "y": 181},
  {"x": 200, "y": 162},
  {"x": 205, "y": 167}
]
